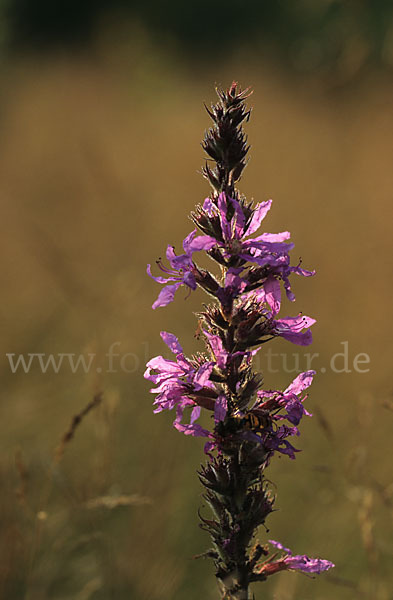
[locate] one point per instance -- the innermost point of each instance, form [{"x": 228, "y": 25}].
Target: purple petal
[
  {"x": 233, "y": 281},
  {"x": 202, "y": 375},
  {"x": 290, "y": 328},
  {"x": 274, "y": 237},
  {"x": 300, "y": 339},
  {"x": 259, "y": 214},
  {"x": 187, "y": 241},
  {"x": 218, "y": 349},
  {"x": 273, "y": 294},
  {"x": 286, "y": 448},
  {"x": 159, "y": 363},
  {"x": 209, "y": 447},
  {"x": 220, "y": 408},
  {"x": 301, "y": 383},
  {"x": 202, "y": 242},
  {"x": 195, "y": 414},
  {"x": 276, "y": 247},
  {"x": 280, "y": 546},
  {"x": 225, "y": 224},
  {"x": 295, "y": 411},
  {"x": 170, "y": 253},
  {"x": 189, "y": 280},
  {"x": 266, "y": 395},
  {"x": 172, "y": 342},
  {"x": 302, "y": 562},
  {"x": 159, "y": 279},
  {"x": 305, "y": 564},
  {"x": 183, "y": 261},
  {"x": 209, "y": 207},
  {"x": 262, "y": 259},
  {"x": 194, "y": 430},
  {"x": 239, "y": 219},
  {"x": 166, "y": 295},
  {"x": 303, "y": 272},
  {"x": 291, "y": 323},
  {"x": 184, "y": 364},
  {"x": 308, "y": 321}
]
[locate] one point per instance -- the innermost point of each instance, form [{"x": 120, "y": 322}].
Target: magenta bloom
[
  {"x": 284, "y": 271},
  {"x": 302, "y": 563},
  {"x": 182, "y": 270},
  {"x": 176, "y": 380},
  {"x": 266, "y": 249},
  {"x": 222, "y": 357},
  {"x": 277, "y": 441},
  {"x": 268, "y": 252},
  {"x": 274, "y": 437},
  {"x": 192, "y": 428},
  {"x": 291, "y": 329},
  {"x": 290, "y": 399}
]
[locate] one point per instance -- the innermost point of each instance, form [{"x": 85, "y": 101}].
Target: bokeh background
[{"x": 101, "y": 116}]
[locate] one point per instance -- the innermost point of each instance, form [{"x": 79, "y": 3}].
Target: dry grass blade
[
  {"x": 76, "y": 421},
  {"x": 111, "y": 502},
  {"x": 365, "y": 516}
]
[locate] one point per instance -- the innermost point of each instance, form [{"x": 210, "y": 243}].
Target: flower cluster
[
  {"x": 248, "y": 424},
  {"x": 253, "y": 315}
]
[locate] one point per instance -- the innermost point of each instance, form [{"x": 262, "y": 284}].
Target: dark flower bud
[
  {"x": 217, "y": 477},
  {"x": 206, "y": 281},
  {"x": 213, "y": 317}
]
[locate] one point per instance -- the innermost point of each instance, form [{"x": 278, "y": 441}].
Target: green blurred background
[{"x": 101, "y": 115}]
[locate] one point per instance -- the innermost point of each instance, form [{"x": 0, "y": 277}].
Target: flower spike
[{"x": 217, "y": 394}]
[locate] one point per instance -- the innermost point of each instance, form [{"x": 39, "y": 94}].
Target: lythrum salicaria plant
[{"x": 248, "y": 423}]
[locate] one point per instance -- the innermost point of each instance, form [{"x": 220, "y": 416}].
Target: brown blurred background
[{"x": 101, "y": 116}]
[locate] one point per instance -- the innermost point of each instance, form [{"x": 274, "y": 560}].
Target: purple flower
[
  {"x": 192, "y": 428},
  {"x": 276, "y": 441},
  {"x": 272, "y": 294},
  {"x": 266, "y": 249},
  {"x": 233, "y": 286},
  {"x": 289, "y": 399},
  {"x": 291, "y": 329},
  {"x": 263, "y": 279},
  {"x": 236, "y": 228},
  {"x": 177, "y": 380},
  {"x": 182, "y": 268},
  {"x": 220, "y": 408},
  {"x": 196, "y": 430},
  {"x": 222, "y": 357},
  {"x": 274, "y": 437},
  {"x": 302, "y": 562},
  {"x": 285, "y": 271}
]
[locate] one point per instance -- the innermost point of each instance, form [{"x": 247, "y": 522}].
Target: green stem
[{"x": 234, "y": 594}]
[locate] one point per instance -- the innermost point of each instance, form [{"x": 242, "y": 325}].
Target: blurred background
[{"x": 101, "y": 117}]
